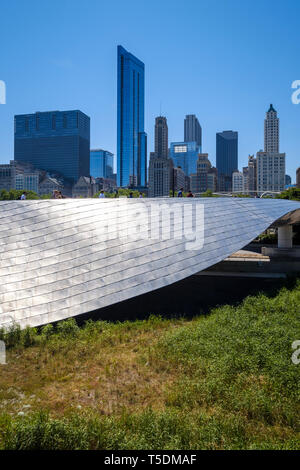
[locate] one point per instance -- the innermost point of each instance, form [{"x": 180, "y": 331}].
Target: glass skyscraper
[
  {"x": 132, "y": 139},
  {"x": 192, "y": 130},
  {"x": 226, "y": 158},
  {"x": 185, "y": 155},
  {"x": 54, "y": 141},
  {"x": 101, "y": 164}
]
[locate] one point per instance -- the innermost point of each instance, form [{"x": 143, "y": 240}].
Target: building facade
[
  {"x": 271, "y": 131},
  {"x": 54, "y": 141},
  {"x": 48, "y": 185},
  {"x": 288, "y": 180},
  {"x": 199, "y": 180},
  {"x": 101, "y": 163},
  {"x": 298, "y": 177},
  {"x": 178, "y": 179},
  {"x": 192, "y": 130},
  {"x": 271, "y": 163},
  {"x": 19, "y": 176},
  {"x": 85, "y": 187},
  {"x": 237, "y": 182},
  {"x": 226, "y": 158},
  {"x": 270, "y": 171},
  {"x": 131, "y": 139},
  {"x": 185, "y": 155},
  {"x": 161, "y": 177}
]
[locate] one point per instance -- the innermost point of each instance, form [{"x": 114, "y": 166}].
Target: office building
[
  {"x": 199, "y": 179},
  {"x": 178, "y": 179},
  {"x": 160, "y": 165},
  {"x": 161, "y": 137},
  {"x": 19, "y": 176},
  {"x": 271, "y": 131},
  {"x": 160, "y": 176},
  {"x": 101, "y": 164},
  {"x": 270, "y": 171},
  {"x": 54, "y": 141},
  {"x": 185, "y": 155},
  {"x": 298, "y": 177},
  {"x": 271, "y": 163},
  {"x": 226, "y": 158},
  {"x": 193, "y": 130},
  {"x": 131, "y": 139},
  {"x": 237, "y": 182},
  {"x": 288, "y": 180}
]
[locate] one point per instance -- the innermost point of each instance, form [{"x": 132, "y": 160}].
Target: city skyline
[{"x": 227, "y": 101}]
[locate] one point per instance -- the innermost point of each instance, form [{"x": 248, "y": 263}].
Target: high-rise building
[
  {"x": 237, "y": 182},
  {"x": 271, "y": 131},
  {"x": 161, "y": 137},
  {"x": 192, "y": 130},
  {"x": 288, "y": 180},
  {"x": 101, "y": 163},
  {"x": 298, "y": 177},
  {"x": 178, "y": 179},
  {"x": 270, "y": 171},
  {"x": 160, "y": 165},
  {"x": 199, "y": 183},
  {"x": 226, "y": 158},
  {"x": 252, "y": 174},
  {"x": 54, "y": 141},
  {"x": 271, "y": 163},
  {"x": 132, "y": 140},
  {"x": 185, "y": 155}
]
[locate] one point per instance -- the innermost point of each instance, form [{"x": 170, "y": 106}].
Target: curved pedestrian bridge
[{"x": 63, "y": 258}]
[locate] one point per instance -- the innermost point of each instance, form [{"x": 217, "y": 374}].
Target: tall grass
[{"x": 231, "y": 382}]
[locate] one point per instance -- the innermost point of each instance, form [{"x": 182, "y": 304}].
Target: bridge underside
[{"x": 63, "y": 258}]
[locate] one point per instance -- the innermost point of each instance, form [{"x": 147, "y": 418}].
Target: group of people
[
  {"x": 180, "y": 193},
  {"x": 57, "y": 195}
]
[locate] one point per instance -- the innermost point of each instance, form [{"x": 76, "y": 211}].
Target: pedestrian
[
  {"x": 23, "y": 196},
  {"x": 190, "y": 194},
  {"x": 180, "y": 193},
  {"x": 141, "y": 195},
  {"x": 130, "y": 195},
  {"x": 101, "y": 195}
]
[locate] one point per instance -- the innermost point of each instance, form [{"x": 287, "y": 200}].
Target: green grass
[{"x": 221, "y": 381}]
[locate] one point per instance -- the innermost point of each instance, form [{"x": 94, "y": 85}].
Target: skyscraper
[
  {"x": 271, "y": 131},
  {"x": 185, "y": 155},
  {"x": 132, "y": 140},
  {"x": 161, "y": 137},
  {"x": 101, "y": 163},
  {"x": 226, "y": 158},
  {"x": 192, "y": 130},
  {"x": 160, "y": 165},
  {"x": 54, "y": 141},
  {"x": 271, "y": 163}
]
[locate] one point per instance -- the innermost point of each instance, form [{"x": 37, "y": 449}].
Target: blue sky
[{"x": 223, "y": 60}]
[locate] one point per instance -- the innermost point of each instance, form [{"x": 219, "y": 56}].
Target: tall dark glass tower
[
  {"x": 54, "y": 141},
  {"x": 132, "y": 140},
  {"x": 226, "y": 158},
  {"x": 192, "y": 130}
]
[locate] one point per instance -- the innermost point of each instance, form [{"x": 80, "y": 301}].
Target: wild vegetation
[{"x": 221, "y": 381}]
